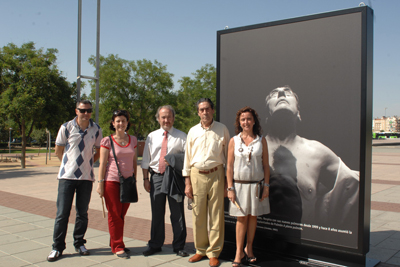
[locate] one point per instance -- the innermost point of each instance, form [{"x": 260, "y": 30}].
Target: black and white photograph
[{"x": 304, "y": 78}]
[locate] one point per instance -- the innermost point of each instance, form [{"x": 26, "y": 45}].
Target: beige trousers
[{"x": 208, "y": 198}]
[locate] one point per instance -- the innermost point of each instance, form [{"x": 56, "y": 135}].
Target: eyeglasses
[
  {"x": 190, "y": 204},
  {"x": 84, "y": 110},
  {"x": 120, "y": 111}
]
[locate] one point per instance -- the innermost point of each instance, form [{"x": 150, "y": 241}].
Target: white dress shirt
[{"x": 152, "y": 147}]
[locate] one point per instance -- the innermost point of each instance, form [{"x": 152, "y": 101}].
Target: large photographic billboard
[{"x": 310, "y": 80}]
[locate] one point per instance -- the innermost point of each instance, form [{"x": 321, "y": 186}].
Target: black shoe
[
  {"x": 127, "y": 250},
  {"x": 54, "y": 255},
  {"x": 151, "y": 251},
  {"x": 123, "y": 255},
  {"x": 181, "y": 253},
  {"x": 82, "y": 250}
]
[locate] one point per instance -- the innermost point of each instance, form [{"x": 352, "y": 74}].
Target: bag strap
[{"x": 115, "y": 158}]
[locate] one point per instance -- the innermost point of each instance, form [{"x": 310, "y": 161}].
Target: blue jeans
[{"x": 66, "y": 191}]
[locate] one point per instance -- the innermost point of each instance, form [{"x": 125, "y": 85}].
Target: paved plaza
[{"x": 27, "y": 212}]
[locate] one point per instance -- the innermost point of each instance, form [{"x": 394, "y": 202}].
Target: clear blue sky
[{"x": 182, "y": 33}]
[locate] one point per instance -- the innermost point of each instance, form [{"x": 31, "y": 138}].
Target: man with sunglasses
[{"x": 74, "y": 148}]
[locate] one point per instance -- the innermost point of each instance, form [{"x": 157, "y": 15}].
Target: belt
[
  {"x": 208, "y": 171},
  {"x": 247, "y": 182},
  {"x": 259, "y": 191},
  {"x": 152, "y": 172}
]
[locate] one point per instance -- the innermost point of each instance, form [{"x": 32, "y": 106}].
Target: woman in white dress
[{"x": 247, "y": 174}]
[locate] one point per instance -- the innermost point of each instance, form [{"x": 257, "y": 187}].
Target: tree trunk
[{"x": 23, "y": 149}]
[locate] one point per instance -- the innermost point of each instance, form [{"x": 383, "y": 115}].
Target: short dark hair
[
  {"x": 117, "y": 113},
  {"x": 83, "y": 102},
  {"x": 201, "y": 100},
  {"x": 256, "y": 127},
  {"x": 167, "y": 107}
]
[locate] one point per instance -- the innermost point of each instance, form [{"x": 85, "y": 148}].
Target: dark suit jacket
[{"x": 173, "y": 182}]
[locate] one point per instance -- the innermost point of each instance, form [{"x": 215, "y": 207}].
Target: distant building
[{"x": 386, "y": 124}]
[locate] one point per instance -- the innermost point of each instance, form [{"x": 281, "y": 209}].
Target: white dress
[{"x": 254, "y": 171}]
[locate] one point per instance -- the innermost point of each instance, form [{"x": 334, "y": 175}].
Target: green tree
[
  {"x": 40, "y": 136},
  {"x": 33, "y": 92},
  {"x": 203, "y": 84},
  {"x": 137, "y": 86}
]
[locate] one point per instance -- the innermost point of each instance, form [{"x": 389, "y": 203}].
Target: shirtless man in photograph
[{"x": 309, "y": 183}]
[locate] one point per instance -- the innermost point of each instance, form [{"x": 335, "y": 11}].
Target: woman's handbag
[{"x": 127, "y": 186}]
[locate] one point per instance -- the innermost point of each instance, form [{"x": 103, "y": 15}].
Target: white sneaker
[{"x": 54, "y": 255}]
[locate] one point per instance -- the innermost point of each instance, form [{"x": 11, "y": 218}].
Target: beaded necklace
[{"x": 249, "y": 150}]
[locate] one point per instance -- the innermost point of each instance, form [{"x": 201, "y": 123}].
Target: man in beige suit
[{"x": 205, "y": 157}]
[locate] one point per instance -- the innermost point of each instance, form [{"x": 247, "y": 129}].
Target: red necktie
[{"x": 164, "y": 146}]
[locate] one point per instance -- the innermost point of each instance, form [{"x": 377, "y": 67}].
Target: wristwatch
[
  {"x": 230, "y": 189},
  {"x": 267, "y": 185}
]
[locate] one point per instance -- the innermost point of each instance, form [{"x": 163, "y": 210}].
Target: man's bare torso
[{"x": 307, "y": 165}]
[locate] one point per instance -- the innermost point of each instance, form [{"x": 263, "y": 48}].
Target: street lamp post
[
  {"x": 9, "y": 142},
  {"x": 47, "y": 144}
]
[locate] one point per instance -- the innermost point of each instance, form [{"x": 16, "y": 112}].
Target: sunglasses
[
  {"x": 83, "y": 110},
  {"x": 120, "y": 112}
]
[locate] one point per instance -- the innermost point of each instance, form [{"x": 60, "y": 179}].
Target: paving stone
[
  {"x": 68, "y": 260},
  {"x": 45, "y": 241},
  {"x": 10, "y": 238},
  {"x": 9, "y": 222},
  {"x": 17, "y": 247},
  {"x": 3, "y": 233},
  {"x": 103, "y": 240},
  {"x": 378, "y": 237},
  {"x": 375, "y": 188},
  {"x": 382, "y": 254},
  {"x": 390, "y": 243},
  {"x": 166, "y": 255},
  {"x": 33, "y": 256},
  {"x": 49, "y": 224},
  {"x": 101, "y": 254},
  {"x": 376, "y": 225},
  {"x": 36, "y": 233},
  {"x": 12, "y": 261},
  {"x": 90, "y": 233},
  {"x": 375, "y": 213},
  {"x": 5, "y": 210},
  {"x": 389, "y": 216},
  {"x": 394, "y": 260},
  {"x": 32, "y": 218},
  {"x": 3, "y": 218},
  {"x": 19, "y": 228},
  {"x": 136, "y": 246},
  {"x": 392, "y": 226},
  {"x": 396, "y": 235},
  {"x": 135, "y": 260},
  {"x": 15, "y": 214}
]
